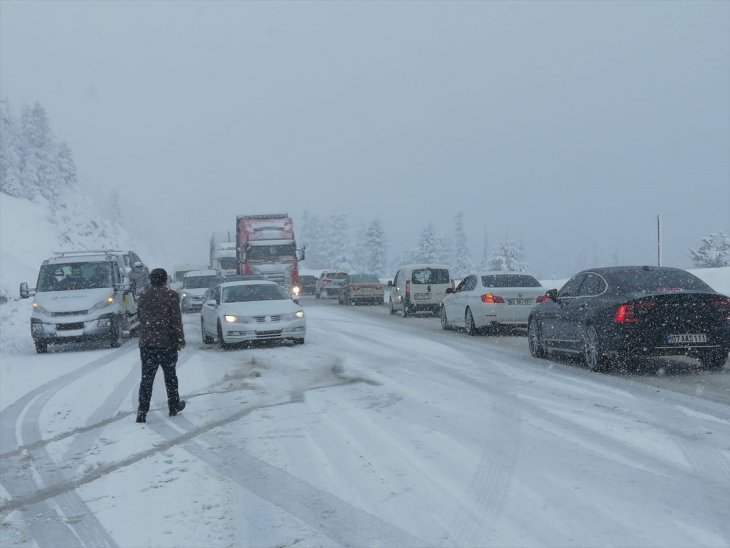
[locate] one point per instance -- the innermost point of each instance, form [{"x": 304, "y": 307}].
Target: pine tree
[
  {"x": 313, "y": 237},
  {"x": 116, "y": 209},
  {"x": 430, "y": 248},
  {"x": 714, "y": 251},
  {"x": 484, "y": 263},
  {"x": 508, "y": 258},
  {"x": 359, "y": 249},
  {"x": 39, "y": 169},
  {"x": 462, "y": 262},
  {"x": 375, "y": 249},
  {"x": 11, "y": 181},
  {"x": 339, "y": 252}
]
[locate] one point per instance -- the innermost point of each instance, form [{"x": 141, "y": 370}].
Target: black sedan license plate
[{"x": 687, "y": 338}]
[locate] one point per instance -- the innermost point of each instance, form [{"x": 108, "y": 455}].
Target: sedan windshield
[
  {"x": 68, "y": 276},
  {"x": 253, "y": 292},
  {"x": 509, "y": 280}
]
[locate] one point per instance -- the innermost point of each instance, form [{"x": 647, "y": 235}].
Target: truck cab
[{"x": 81, "y": 296}]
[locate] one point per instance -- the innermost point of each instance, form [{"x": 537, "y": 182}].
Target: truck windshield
[
  {"x": 268, "y": 252},
  {"x": 68, "y": 276},
  {"x": 197, "y": 282},
  {"x": 228, "y": 263}
]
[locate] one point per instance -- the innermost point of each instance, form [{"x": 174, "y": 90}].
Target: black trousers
[{"x": 152, "y": 358}]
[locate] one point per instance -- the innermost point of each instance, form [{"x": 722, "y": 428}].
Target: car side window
[
  {"x": 471, "y": 283},
  {"x": 592, "y": 286},
  {"x": 571, "y": 287}
]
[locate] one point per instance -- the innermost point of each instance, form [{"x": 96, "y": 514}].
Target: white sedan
[
  {"x": 491, "y": 299},
  {"x": 252, "y": 310}
]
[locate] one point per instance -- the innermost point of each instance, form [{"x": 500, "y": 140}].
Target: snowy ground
[{"x": 379, "y": 431}]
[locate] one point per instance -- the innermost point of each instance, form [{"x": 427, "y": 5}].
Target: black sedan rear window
[
  {"x": 652, "y": 281},
  {"x": 509, "y": 280}
]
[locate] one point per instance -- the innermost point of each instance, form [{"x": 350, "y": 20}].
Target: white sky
[{"x": 567, "y": 125}]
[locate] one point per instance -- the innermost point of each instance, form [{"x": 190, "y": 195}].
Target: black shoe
[
  {"x": 180, "y": 406},
  {"x": 141, "y": 417}
]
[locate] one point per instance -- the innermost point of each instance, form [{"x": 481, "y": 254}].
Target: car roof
[
  {"x": 192, "y": 273},
  {"x": 417, "y": 266},
  {"x": 247, "y": 282},
  {"x": 631, "y": 268},
  {"x": 502, "y": 273},
  {"x": 78, "y": 258}
]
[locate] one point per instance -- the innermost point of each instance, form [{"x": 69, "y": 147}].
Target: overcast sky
[{"x": 567, "y": 125}]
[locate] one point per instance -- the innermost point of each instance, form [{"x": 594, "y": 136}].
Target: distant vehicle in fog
[
  {"x": 195, "y": 284},
  {"x": 329, "y": 284},
  {"x": 490, "y": 299},
  {"x": 609, "y": 315},
  {"x": 307, "y": 283},
  {"x": 361, "y": 289},
  {"x": 419, "y": 288}
]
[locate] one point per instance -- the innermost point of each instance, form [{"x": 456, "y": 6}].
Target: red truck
[{"x": 266, "y": 247}]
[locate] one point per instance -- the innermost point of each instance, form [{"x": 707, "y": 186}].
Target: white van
[
  {"x": 418, "y": 288},
  {"x": 81, "y": 296}
]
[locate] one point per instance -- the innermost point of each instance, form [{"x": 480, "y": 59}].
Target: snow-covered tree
[
  {"x": 462, "y": 262},
  {"x": 714, "y": 251},
  {"x": 313, "y": 236},
  {"x": 508, "y": 257},
  {"x": 11, "y": 180},
  {"x": 484, "y": 263},
  {"x": 430, "y": 247},
  {"x": 375, "y": 248},
  {"x": 339, "y": 252}
]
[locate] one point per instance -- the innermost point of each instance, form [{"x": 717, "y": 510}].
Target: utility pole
[{"x": 658, "y": 240}]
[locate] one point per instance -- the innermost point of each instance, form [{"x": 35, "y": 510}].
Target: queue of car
[{"x": 605, "y": 316}]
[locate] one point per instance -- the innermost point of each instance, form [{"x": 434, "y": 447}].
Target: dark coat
[{"x": 160, "y": 319}]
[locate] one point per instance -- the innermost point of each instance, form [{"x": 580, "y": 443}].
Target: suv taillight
[
  {"x": 626, "y": 313},
  {"x": 490, "y": 298}
]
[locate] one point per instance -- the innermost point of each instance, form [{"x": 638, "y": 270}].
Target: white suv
[{"x": 418, "y": 288}]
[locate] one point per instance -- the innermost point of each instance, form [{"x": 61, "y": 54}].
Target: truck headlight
[
  {"x": 295, "y": 290},
  {"x": 103, "y": 304}
]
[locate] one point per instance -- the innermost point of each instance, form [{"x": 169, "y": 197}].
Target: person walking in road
[{"x": 160, "y": 337}]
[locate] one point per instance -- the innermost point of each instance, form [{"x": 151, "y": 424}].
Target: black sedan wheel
[
  {"x": 592, "y": 351},
  {"x": 714, "y": 361},
  {"x": 534, "y": 338}
]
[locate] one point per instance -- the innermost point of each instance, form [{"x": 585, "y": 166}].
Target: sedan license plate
[
  {"x": 687, "y": 338},
  {"x": 519, "y": 301}
]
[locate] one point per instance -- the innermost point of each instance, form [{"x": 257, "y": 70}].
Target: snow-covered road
[{"x": 379, "y": 431}]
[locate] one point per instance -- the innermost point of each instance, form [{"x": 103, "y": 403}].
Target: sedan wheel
[
  {"x": 534, "y": 338},
  {"x": 444, "y": 319},
  {"x": 221, "y": 342},
  {"x": 714, "y": 361},
  {"x": 469, "y": 323},
  {"x": 207, "y": 339},
  {"x": 592, "y": 351}
]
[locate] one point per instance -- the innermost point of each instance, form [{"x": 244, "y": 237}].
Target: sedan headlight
[
  {"x": 103, "y": 304},
  {"x": 299, "y": 313},
  {"x": 231, "y": 319},
  {"x": 293, "y": 316}
]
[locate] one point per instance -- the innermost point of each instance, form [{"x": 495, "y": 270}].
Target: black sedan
[{"x": 609, "y": 315}]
